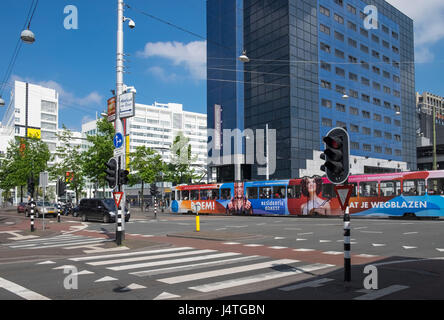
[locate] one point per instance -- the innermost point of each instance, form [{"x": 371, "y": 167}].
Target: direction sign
[
  {"x": 117, "y": 198},
  {"x": 118, "y": 140},
  {"x": 344, "y": 193}
]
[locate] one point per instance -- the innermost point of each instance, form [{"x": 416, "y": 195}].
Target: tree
[
  {"x": 25, "y": 158},
  {"x": 72, "y": 160},
  {"x": 99, "y": 152},
  {"x": 180, "y": 168},
  {"x": 146, "y": 166}
]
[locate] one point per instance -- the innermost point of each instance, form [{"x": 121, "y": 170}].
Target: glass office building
[{"x": 304, "y": 57}]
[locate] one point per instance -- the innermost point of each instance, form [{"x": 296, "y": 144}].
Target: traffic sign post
[
  {"x": 117, "y": 199},
  {"x": 344, "y": 193}
]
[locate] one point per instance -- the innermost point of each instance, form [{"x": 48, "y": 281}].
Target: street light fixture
[
  {"x": 2, "y": 102},
  {"x": 243, "y": 57},
  {"x": 27, "y": 36}
]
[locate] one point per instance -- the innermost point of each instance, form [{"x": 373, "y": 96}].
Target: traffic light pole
[{"x": 347, "y": 246}]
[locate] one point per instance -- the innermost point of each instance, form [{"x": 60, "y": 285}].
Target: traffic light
[
  {"x": 123, "y": 176},
  {"x": 61, "y": 187},
  {"x": 69, "y": 176},
  {"x": 336, "y": 156},
  {"x": 153, "y": 189},
  {"x": 31, "y": 186},
  {"x": 111, "y": 173}
]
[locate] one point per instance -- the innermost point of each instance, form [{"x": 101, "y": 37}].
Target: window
[
  {"x": 377, "y": 101},
  {"x": 352, "y": 59},
  {"x": 48, "y": 117},
  {"x": 352, "y": 26},
  {"x": 365, "y": 65},
  {"x": 386, "y": 59},
  {"x": 377, "y": 117},
  {"x": 435, "y": 187},
  {"x": 252, "y": 193},
  {"x": 265, "y": 193},
  {"x": 398, "y": 153},
  {"x": 325, "y": 66},
  {"x": 214, "y": 194},
  {"x": 185, "y": 195},
  {"x": 395, "y": 35},
  {"x": 354, "y": 145},
  {"x": 365, "y": 81},
  {"x": 375, "y": 38},
  {"x": 366, "y": 114},
  {"x": 387, "y": 120},
  {"x": 365, "y": 97},
  {"x": 328, "y": 191},
  {"x": 385, "y": 29},
  {"x": 339, "y": 19},
  {"x": 353, "y": 76},
  {"x": 364, "y": 32},
  {"x": 340, "y": 72},
  {"x": 397, "y": 137},
  {"x": 352, "y": 43},
  {"x": 339, "y": 2},
  {"x": 340, "y": 107},
  {"x": 324, "y": 11},
  {"x": 325, "y": 47},
  {"x": 376, "y": 70},
  {"x": 376, "y": 86},
  {"x": 294, "y": 192},
  {"x": 325, "y": 84},
  {"x": 366, "y": 131},
  {"x": 326, "y": 103},
  {"x": 341, "y": 124},
  {"x": 396, "y": 64},
  {"x": 387, "y": 90},
  {"x": 387, "y": 105},
  {"x": 351, "y": 9},
  {"x": 279, "y": 192},
  {"x": 390, "y": 188},
  {"x": 48, "y": 106},
  {"x": 326, "y": 122},
  {"x": 396, "y": 93},
  {"x": 413, "y": 187},
  {"x": 378, "y": 149},
  {"x": 354, "y": 128},
  {"x": 339, "y": 54},
  {"x": 388, "y": 135},
  {"x": 367, "y": 147},
  {"x": 397, "y": 123},
  {"x": 325, "y": 29},
  {"x": 368, "y": 189},
  {"x": 386, "y": 74},
  {"x": 375, "y": 54},
  {"x": 378, "y": 133},
  {"x": 205, "y": 194},
  {"x": 388, "y": 151},
  {"x": 385, "y": 44},
  {"x": 396, "y": 79},
  {"x": 194, "y": 195},
  {"x": 395, "y": 49},
  {"x": 364, "y": 48},
  {"x": 354, "y": 111},
  {"x": 225, "y": 194},
  {"x": 340, "y": 89}
]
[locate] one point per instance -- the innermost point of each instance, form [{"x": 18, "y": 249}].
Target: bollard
[
  {"x": 119, "y": 227},
  {"x": 155, "y": 209},
  {"x": 58, "y": 212},
  {"x": 32, "y": 215},
  {"x": 197, "y": 223},
  {"x": 347, "y": 246}
]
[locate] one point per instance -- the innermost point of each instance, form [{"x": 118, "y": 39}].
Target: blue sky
[{"x": 166, "y": 64}]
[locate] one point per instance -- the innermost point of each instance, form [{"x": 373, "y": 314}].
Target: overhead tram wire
[{"x": 18, "y": 46}]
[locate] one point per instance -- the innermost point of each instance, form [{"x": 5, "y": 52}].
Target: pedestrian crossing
[
  {"x": 201, "y": 270},
  {"x": 68, "y": 241}
]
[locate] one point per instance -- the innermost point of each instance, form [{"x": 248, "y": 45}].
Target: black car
[{"x": 100, "y": 210}]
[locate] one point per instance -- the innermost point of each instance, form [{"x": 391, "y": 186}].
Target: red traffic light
[{"x": 333, "y": 142}]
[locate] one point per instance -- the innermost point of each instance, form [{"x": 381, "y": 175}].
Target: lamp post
[{"x": 435, "y": 167}]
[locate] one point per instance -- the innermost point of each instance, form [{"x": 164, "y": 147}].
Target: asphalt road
[{"x": 232, "y": 258}]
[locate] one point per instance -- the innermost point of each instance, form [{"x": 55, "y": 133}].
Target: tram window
[
  {"x": 265, "y": 193},
  {"x": 225, "y": 194},
  {"x": 435, "y": 187},
  {"x": 414, "y": 187},
  {"x": 390, "y": 188},
  {"x": 368, "y": 189},
  {"x": 215, "y": 194},
  {"x": 194, "y": 195},
  {"x": 185, "y": 195},
  {"x": 354, "y": 192},
  {"x": 294, "y": 192},
  {"x": 252, "y": 193},
  {"x": 328, "y": 191},
  {"x": 173, "y": 195},
  {"x": 279, "y": 192},
  {"x": 205, "y": 194}
]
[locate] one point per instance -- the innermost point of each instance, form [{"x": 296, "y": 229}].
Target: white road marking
[
  {"x": 324, "y": 241},
  {"x": 99, "y": 250},
  {"x": 81, "y": 273},
  {"x": 363, "y": 255},
  {"x": 106, "y": 279},
  {"x": 193, "y": 266},
  {"x": 378, "y": 245},
  {"x": 411, "y": 232},
  {"x": 301, "y": 234},
  {"x": 375, "y": 294},
  {"x": 166, "y": 262},
  {"x": 279, "y": 238},
  {"x": 21, "y": 291},
  {"x": 278, "y": 248},
  {"x": 166, "y": 295},
  {"x": 258, "y": 278},
  {"x": 359, "y": 228},
  {"x": 231, "y": 243},
  {"x": 137, "y": 253},
  {"x": 216, "y": 273},
  {"x": 334, "y": 253},
  {"x": 47, "y": 262},
  {"x": 133, "y": 286},
  {"x": 299, "y": 239},
  {"x": 253, "y": 245},
  {"x": 310, "y": 284},
  {"x": 304, "y": 250},
  {"x": 409, "y": 247},
  {"x": 150, "y": 257},
  {"x": 440, "y": 250},
  {"x": 371, "y": 231}
]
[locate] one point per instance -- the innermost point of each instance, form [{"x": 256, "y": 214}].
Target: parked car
[
  {"x": 21, "y": 208},
  {"x": 100, "y": 210},
  {"x": 40, "y": 208}
]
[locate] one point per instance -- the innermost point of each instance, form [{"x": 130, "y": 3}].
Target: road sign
[
  {"x": 43, "y": 179},
  {"x": 117, "y": 198},
  {"x": 344, "y": 193},
  {"x": 112, "y": 109},
  {"x": 127, "y": 105},
  {"x": 118, "y": 140}
]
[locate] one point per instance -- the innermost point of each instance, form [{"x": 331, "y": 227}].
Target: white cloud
[
  {"x": 428, "y": 20},
  {"x": 162, "y": 74},
  {"x": 66, "y": 97},
  {"x": 191, "y": 55}
]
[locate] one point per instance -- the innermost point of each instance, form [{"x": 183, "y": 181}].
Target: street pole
[
  {"x": 435, "y": 167},
  {"x": 347, "y": 246},
  {"x": 119, "y": 91},
  {"x": 266, "y": 147}
]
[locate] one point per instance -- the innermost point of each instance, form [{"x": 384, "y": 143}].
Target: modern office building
[{"x": 315, "y": 65}]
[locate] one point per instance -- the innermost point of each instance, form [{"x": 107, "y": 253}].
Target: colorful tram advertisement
[{"x": 419, "y": 194}]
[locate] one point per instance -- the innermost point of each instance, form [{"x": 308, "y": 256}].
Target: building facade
[{"x": 306, "y": 57}]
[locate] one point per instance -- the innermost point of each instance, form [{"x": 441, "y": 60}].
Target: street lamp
[
  {"x": 2, "y": 102},
  {"x": 27, "y": 36},
  {"x": 243, "y": 57}
]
